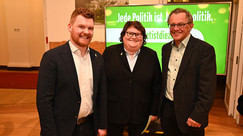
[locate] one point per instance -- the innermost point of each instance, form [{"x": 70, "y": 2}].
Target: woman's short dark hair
[{"x": 138, "y": 26}]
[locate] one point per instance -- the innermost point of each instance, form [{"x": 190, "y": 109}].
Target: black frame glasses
[
  {"x": 180, "y": 25},
  {"x": 131, "y": 34}
]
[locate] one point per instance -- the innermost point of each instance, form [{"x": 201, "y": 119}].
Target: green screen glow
[{"x": 211, "y": 24}]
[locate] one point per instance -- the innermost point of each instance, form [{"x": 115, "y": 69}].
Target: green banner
[{"x": 211, "y": 24}]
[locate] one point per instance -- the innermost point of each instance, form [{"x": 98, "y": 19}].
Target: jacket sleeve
[
  {"x": 156, "y": 87},
  {"x": 45, "y": 95},
  {"x": 102, "y": 98},
  {"x": 206, "y": 84}
]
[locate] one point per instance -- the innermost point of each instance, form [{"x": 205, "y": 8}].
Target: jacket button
[{"x": 130, "y": 81}]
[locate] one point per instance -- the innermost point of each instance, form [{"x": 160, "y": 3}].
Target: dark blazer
[
  {"x": 195, "y": 83},
  {"x": 58, "y": 95},
  {"x": 132, "y": 96}
]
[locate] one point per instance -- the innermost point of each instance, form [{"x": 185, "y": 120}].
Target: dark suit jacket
[
  {"x": 195, "y": 83},
  {"x": 58, "y": 95},
  {"x": 132, "y": 96}
]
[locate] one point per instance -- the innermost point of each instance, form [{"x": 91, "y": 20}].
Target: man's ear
[
  {"x": 191, "y": 25},
  {"x": 69, "y": 27}
]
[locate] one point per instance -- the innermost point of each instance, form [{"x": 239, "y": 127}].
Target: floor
[
  {"x": 19, "y": 117},
  {"x": 18, "y": 113}
]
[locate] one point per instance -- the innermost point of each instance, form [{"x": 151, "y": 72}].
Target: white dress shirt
[
  {"x": 85, "y": 76},
  {"x": 132, "y": 59}
]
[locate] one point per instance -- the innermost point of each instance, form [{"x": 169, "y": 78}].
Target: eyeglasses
[
  {"x": 180, "y": 25},
  {"x": 131, "y": 34}
]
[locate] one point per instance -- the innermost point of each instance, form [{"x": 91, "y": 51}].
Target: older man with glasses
[{"x": 188, "y": 79}]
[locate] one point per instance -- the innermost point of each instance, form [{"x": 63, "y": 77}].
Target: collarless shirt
[
  {"x": 85, "y": 78},
  {"x": 174, "y": 65},
  {"x": 132, "y": 59}
]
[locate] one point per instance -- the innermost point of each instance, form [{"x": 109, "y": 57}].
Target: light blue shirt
[{"x": 174, "y": 65}]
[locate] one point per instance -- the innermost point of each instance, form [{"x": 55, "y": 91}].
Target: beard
[{"x": 81, "y": 41}]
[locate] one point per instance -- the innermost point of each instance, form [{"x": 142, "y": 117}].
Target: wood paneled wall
[{"x": 98, "y": 46}]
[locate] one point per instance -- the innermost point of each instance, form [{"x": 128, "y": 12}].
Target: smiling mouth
[
  {"x": 133, "y": 40},
  {"x": 84, "y": 37},
  {"x": 176, "y": 34}
]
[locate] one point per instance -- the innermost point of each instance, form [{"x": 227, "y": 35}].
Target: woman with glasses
[{"x": 133, "y": 82}]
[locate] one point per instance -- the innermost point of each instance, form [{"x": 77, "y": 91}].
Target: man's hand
[
  {"x": 192, "y": 123},
  {"x": 101, "y": 132}
]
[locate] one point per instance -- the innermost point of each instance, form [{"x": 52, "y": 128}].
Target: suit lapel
[
  {"x": 121, "y": 52},
  {"x": 140, "y": 59},
  {"x": 69, "y": 62},
  {"x": 166, "y": 56},
  {"x": 94, "y": 62},
  {"x": 185, "y": 59}
]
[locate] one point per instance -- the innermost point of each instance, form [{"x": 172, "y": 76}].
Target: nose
[
  {"x": 85, "y": 30},
  {"x": 176, "y": 27}
]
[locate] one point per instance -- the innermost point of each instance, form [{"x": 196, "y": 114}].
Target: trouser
[
  {"x": 117, "y": 129},
  {"x": 85, "y": 129},
  {"x": 169, "y": 123}
]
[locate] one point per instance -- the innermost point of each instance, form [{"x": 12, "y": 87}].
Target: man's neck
[
  {"x": 83, "y": 50},
  {"x": 177, "y": 43}
]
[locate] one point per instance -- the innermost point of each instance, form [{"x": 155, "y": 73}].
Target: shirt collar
[
  {"x": 74, "y": 49},
  {"x": 184, "y": 42},
  {"x": 135, "y": 53}
]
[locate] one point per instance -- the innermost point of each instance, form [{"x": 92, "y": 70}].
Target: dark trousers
[
  {"x": 117, "y": 129},
  {"x": 85, "y": 129},
  {"x": 169, "y": 123}
]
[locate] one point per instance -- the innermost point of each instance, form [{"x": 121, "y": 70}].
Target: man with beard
[{"x": 71, "y": 90}]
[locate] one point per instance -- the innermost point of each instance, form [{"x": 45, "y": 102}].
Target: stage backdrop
[{"x": 211, "y": 24}]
